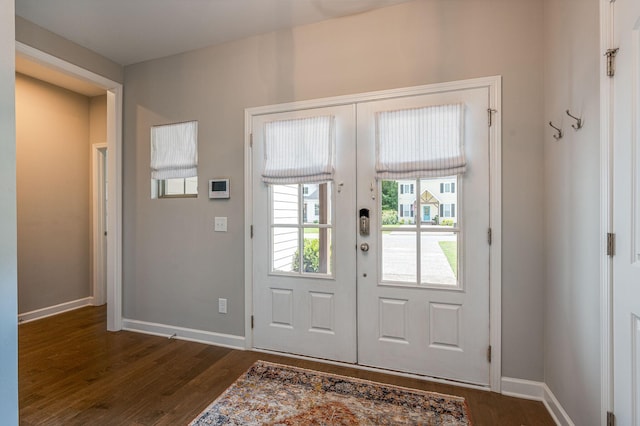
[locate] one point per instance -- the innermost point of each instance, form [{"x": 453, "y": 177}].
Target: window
[
  {"x": 447, "y": 210},
  {"x": 407, "y": 210},
  {"x": 174, "y": 160},
  {"x": 406, "y": 188},
  {"x": 175, "y": 188},
  {"x": 447, "y": 187}
]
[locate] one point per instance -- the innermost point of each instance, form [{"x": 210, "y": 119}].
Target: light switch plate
[{"x": 220, "y": 224}]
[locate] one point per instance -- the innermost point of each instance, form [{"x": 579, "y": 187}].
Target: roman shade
[
  {"x": 174, "y": 150},
  {"x": 299, "y": 150},
  {"x": 420, "y": 142}
]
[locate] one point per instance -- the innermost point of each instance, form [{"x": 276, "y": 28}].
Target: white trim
[
  {"x": 606, "y": 214},
  {"x": 556, "y": 411},
  {"x": 54, "y": 310},
  {"x": 248, "y": 220},
  {"x": 495, "y": 222},
  {"x": 181, "y": 333},
  {"x": 98, "y": 174},
  {"x": 537, "y": 391},
  {"x": 114, "y": 171},
  {"x": 495, "y": 133}
]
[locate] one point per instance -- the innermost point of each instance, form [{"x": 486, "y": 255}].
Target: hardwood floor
[{"x": 73, "y": 372}]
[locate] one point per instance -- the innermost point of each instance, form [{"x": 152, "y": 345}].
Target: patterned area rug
[{"x": 274, "y": 394}]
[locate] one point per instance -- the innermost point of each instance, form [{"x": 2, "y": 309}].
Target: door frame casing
[
  {"x": 114, "y": 92},
  {"x": 98, "y": 176},
  {"x": 494, "y": 85},
  {"x": 606, "y": 214}
]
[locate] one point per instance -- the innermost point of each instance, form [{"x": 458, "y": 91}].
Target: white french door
[
  {"x": 423, "y": 285},
  {"x": 626, "y": 213},
  {"x": 304, "y": 262},
  {"x": 389, "y": 273}
]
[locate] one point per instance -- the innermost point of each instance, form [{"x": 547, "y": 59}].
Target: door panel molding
[{"x": 493, "y": 84}]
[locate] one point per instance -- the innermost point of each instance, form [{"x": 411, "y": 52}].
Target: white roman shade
[
  {"x": 174, "y": 150},
  {"x": 299, "y": 150},
  {"x": 420, "y": 142}
]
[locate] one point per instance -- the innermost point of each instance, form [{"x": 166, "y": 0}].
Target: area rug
[{"x": 274, "y": 394}]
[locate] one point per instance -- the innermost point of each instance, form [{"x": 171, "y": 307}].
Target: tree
[{"x": 389, "y": 195}]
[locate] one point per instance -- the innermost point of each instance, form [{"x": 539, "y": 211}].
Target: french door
[{"x": 389, "y": 272}]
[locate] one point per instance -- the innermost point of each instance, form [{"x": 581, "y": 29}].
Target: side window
[
  {"x": 174, "y": 160},
  {"x": 179, "y": 187}
]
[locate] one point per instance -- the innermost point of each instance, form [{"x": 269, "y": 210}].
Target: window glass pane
[
  {"x": 399, "y": 256},
  {"x": 438, "y": 201},
  {"x": 285, "y": 252},
  {"x": 317, "y": 251},
  {"x": 285, "y": 204},
  {"x": 174, "y": 187},
  {"x": 439, "y": 253},
  {"x": 317, "y": 203},
  {"x": 398, "y": 202},
  {"x": 191, "y": 185}
]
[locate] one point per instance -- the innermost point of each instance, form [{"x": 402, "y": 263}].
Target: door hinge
[
  {"x": 490, "y": 112},
  {"x": 611, "y": 244},
  {"x": 251, "y": 230},
  {"x": 489, "y": 354},
  {"x": 252, "y": 322},
  {"x": 489, "y": 236},
  {"x": 611, "y": 419},
  {"x": 611, "y": 61}
]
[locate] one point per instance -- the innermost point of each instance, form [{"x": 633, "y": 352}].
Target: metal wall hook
[
  {"x": 558, "y": 135},
  {"x": 578, "y": 124}
]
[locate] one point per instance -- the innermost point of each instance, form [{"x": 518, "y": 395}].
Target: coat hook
[
  {"x": 558, "y": 135},
  {"x": 578, "y": 124}
]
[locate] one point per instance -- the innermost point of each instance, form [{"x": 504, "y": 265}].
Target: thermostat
[{"x": 219, "y": 188}]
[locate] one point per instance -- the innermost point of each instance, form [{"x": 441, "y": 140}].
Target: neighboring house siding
[{"x": 445, "y": 190}]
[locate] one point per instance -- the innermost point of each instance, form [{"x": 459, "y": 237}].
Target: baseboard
[
  {"x": 54, "y": 310},
  {"x": 192, "y": 335},
  {"x": 555, "y": 409},
  {"x": 537, "y": 391}
]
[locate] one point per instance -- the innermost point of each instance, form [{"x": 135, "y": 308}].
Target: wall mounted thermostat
[{"x": 219, "y": 188}]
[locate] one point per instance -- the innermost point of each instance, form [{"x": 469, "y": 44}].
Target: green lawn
[
  {"x": 450, "y": 250},
  {"x": 310, "y": 231}
]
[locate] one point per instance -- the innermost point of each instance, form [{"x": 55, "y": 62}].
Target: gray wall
[
  {"x": 175, "y": 267},
  {"x": 8, "y": 251},
  {"x": 52, "y": 140},
  {"x": 572, "y": 207},
  {"x": 51, "y": 43}
]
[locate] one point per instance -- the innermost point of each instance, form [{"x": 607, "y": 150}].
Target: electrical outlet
[{"x": 222, "y": 306}]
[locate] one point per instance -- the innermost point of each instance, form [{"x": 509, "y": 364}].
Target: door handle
[{"x": 364, "y": 247}]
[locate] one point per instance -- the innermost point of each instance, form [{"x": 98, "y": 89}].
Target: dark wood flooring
[{"x": 73, "y": 372}]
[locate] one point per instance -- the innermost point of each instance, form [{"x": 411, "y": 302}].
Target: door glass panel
[
  {"x": 313, "y": 234},
  {"x": 286, "y": 251},
  {"x": 285, "y": 205},
  {"x": 317, "y": 203},
  {"x": 439, "y": 258},
  {"x": 317, "y": 251},
  {"x": 399, "y": 254}
]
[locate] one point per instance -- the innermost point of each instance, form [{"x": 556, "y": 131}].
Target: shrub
[
  {"x": 310, "y": 256},
  {"x": 446, "y": 222},
  {"x": 389, "y": 217}
]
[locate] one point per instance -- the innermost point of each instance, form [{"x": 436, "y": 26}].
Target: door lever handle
[{"x": 364, "y": 247}]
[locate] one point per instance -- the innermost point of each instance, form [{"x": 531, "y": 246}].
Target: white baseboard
[
  {"x": 537, "y": 391},
  {"x": 192, "y": 335},
  {"x": 54, "y": 310}
]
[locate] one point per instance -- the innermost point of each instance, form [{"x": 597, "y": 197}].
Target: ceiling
[{"x": 131, "y": 31}]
